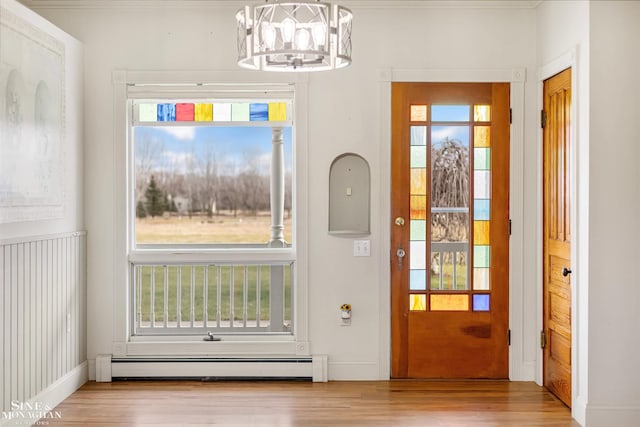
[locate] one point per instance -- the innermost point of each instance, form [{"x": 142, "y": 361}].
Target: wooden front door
[
  {"x": 450, "y": 230},
  {"x": 556, "y": 338}
]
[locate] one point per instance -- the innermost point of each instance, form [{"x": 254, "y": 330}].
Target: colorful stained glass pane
[
  {"x": 166, "y": 112},
  {"x": 481, "y": 279},
  {"x": 418, "y": 207},
  {"x": 277, "y": 111},
  {"x": 418, "y": 302},
  {"x": 203, "y": 112},
  {"x": 259, "y": 112},
  {"x": 481, "y": 232},
  {"x": 417, "y": 280},
  {"x": 449, "y": 302},
  {"x": 482, "y": 158},
  {"x": 417, "y": 255},
  {"x": 147, "y": 112},
  {"x": 222, "y": 112},
  {"x": 450, "y": 113},
  {"x": 481, "y": 255},
  {"x": 482, "y": 136},
  {"x": 482, "y": 184},
  {"x": 418, "y": 113},
  {"x": 184, "y": 112},
  {"x": 481, "y": 209},
  {"x": 240, "y": 112},
  {"x": 418, "y": 181},
  {"x": 418, "y": 229},
  {"x": 418, "y": 135},
  {"x": 482, "y": 113},
  {"x": 481, "y": 302},
  {"x": 418, "y": 156}
]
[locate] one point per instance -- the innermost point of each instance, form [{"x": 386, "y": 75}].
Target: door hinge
[
  {"x": 509, "y": 227},
  {"x": 543, "y": 119},
  {"x": 509, "y": 336},
  {"x": 510, "y": 116},
  {"x": 543, "y": 339}
]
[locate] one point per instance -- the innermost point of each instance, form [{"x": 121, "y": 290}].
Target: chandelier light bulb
[
  {"x": 302, "y": 39},
  {"x": 319, "y": 35},
  {"x": 269, "y": 35},
  {"x": 288, "y": 30}
]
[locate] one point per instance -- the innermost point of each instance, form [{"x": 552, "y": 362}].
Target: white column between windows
[
  {"x": 277, "y": 188},
  {"x": 276, "y": 294}
]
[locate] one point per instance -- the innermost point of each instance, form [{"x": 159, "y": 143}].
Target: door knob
[
  {"x": 566, "y": 272},
  {"x": 399, "y": 221}
]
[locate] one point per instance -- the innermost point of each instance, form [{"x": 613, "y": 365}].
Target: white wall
[
  {"x": 344, "y": 115},
  {"x": 614, "y": 294},
  {"x": 42, "y": 282}
]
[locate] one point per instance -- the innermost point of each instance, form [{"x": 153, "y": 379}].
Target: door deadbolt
[{"x": 399, "y": 221}]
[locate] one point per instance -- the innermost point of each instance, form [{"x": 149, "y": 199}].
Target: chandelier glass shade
[{"x": 294, "y": 36}]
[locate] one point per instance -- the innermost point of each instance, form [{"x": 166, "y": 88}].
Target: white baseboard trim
[
  {"x": 528, "y": 371},
  {"x": 610, "y": 415},
  {"x": 579, "y": 410},
  {"x": 43, "y": 404},
  {"x": 354, "y": 371}
]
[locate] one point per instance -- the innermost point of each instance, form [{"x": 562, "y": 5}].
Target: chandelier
[{"x": 305, "y": 35}]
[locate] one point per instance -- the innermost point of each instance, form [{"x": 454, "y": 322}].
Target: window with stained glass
[
  {"x": 202, "y": 171},
  {"x": 450, "y": 208}
]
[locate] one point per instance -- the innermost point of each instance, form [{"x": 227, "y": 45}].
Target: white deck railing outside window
[{"x": 197, "y": 298}]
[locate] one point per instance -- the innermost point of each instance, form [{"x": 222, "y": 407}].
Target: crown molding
[{"x": 235, "y": 4}]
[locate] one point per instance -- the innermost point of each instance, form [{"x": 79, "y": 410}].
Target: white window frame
[{"x": 195, "y": 85}]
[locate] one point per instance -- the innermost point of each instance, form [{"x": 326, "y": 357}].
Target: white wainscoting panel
[{"x": 42, "y": 314}]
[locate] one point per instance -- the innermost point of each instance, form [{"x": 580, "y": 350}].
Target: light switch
[
  {"x": 348, "y": 192},
  {"x": 361, "y": 248}
]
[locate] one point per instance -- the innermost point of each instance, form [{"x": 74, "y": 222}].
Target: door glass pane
[
  {"x": 418, "y": 207},
  {"x": 481, "y": 256},
  {"x": 418, "y": 302},
  {"x": 418, "y": 135},
  {"x": 450, "y": 165},
  {"x": 417, "y": 280},
  {"x": 481, "y": 279},
  {"x": 419, "y": 181},
  {"x": 482, "y": 158},
  {"x": 481, "y": 209},
  {"x": 482, "y": 136},
  {"x": 417, "y": 255},
  {"x": 418, "y": 113},
  {"x": 481, "y": 302},
  {"x": 481, "y": 232},
  {"x": 418, "y": 229},
  {"x": 482, "y": 113},
  {"x": 418, "y": 156},
  {"x": 482, "y": 184},
  {"x": 450, "y": 113},
  {"x": 448, "y": 270},
  {"x": 443, "y": 302}
]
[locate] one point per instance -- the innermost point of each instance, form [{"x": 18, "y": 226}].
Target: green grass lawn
[{"x": 219, "y": 280}]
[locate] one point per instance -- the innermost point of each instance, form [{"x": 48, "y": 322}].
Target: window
[{"x": 210, "y": 193}]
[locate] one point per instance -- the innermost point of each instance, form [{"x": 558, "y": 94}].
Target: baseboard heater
[{"x": 215, "y": 369}]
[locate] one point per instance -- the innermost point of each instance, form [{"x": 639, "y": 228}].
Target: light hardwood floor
[{"x": 378, "y": 403}]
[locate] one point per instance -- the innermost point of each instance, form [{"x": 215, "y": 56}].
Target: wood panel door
[
  {"x": 450, "y": 230},
  {"x": 556, "y": 338}
]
